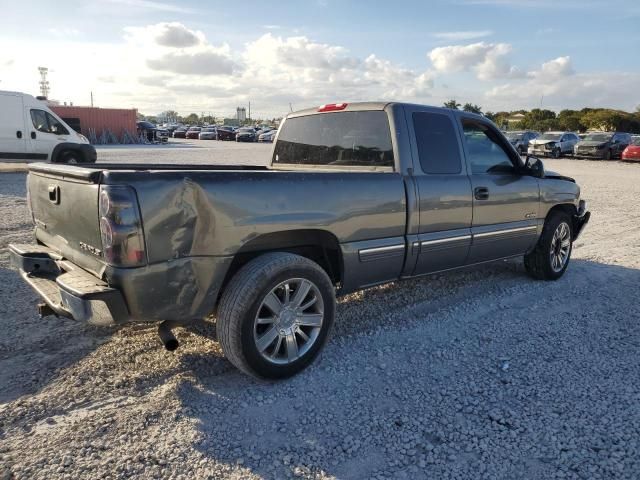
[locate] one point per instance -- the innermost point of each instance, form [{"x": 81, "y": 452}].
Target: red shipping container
[{"x": 115, "y": 120}]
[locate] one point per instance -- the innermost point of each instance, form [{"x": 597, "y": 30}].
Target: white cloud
[
  {"x": 488, "y": 60},
  {"x": 165, "y": 34},
  {"x": 64, "y": 32},
  {"x": 177, "y": 35},
  {"x": 207, "y": 62},
  {"x": 459, "y": 36},
  {"x": 558, "y": 67}
]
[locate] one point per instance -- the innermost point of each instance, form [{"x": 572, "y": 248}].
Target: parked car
[
  {"x": 193, "y": 132},
  {"x": 602, "y": 145},
  {"x": 29, "y": 130},
  {"x": 226, "y": 133},
  {"x": 520, "y": 139},
  {"x": 208, "y": 133},
  {"x": 246, "y": 134},
  {"x": 268, "y": 248},
  {"x": 180, "y": 132},
  {"x": 553, "y": 144},
  {"x": 632, "y": 152},
  {"x": 267, "y": 137}
]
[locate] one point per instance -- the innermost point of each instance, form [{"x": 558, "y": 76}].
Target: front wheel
[
  {"x": 550, "y": 258},
  {"x": 276, "y": 315},
  {"x": 557, "y": 153}
]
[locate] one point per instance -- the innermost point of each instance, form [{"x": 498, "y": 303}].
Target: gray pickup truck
[{"x": 356, "y": 195}]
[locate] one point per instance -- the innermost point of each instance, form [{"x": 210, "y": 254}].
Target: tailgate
[{"x": 64, "y": 201}]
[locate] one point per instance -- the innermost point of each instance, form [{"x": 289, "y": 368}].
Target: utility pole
[
  {"x": 249, "y": 110},
  {"x": 91, "y": 99}
]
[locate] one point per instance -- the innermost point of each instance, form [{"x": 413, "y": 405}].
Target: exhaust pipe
[{"x": 167, "y": 337}]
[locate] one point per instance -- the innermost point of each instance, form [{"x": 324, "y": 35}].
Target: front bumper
[
  {"x": 66, "y": 289},
  {"x": 89, "y": 153},
  {"x": 581, "y": 219},
  {"x": 591, "y": 153}
]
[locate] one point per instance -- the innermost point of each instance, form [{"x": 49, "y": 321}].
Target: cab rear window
[{"x": 349, "y": 139}]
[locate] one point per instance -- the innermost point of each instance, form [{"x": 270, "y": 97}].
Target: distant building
[
  {"x": 241, "y": 114},
  {"x": 515, "y": 119}
]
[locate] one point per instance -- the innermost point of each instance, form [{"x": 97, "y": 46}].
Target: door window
[
  {"x": 47, "y": 123},
  {"x": 437, "y": 143},
  {"x": 484, "y": 147}
]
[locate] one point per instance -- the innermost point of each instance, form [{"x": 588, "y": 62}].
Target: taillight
[
  {"x": 332, "y": 107},
  {"x": 120, "y": 227}
]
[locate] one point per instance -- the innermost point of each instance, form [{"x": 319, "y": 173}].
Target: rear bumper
[
  {"x": 581, "y": 219},
  {"x": 66, "y": 289}
]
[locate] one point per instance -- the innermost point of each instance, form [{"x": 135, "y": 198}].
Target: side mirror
[{"x": 534, "y": 167}]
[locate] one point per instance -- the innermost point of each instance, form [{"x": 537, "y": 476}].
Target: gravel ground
[{"x": 482, "y": 373}]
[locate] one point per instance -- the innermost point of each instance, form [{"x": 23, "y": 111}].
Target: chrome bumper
[
  {"x": 581, "y": 219},
  {"x": 66, "y": 289}
]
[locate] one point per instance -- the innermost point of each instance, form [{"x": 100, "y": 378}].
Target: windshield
[
  {"x": 550, "y": 136},
  {"x": 635, "y": 141},
  {"x": 208, "y": 129},
  {"x": 597, "y": 137},
  {"x": 246, "y": 130},
  {"x": 514, "y": 135}
]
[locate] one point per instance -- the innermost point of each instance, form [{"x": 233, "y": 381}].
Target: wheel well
[
  {"x": 319, "y": 246},
  {"x": 567, "y": 208}
]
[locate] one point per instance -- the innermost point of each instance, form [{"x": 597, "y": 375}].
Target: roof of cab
[{"x": 362, "y": 106}]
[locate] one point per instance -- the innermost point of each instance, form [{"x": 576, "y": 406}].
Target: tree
[
  {"x": 452, "y": 104},
  {"x": 469, "y": 107},
  {"x": 192, "y": 118}
]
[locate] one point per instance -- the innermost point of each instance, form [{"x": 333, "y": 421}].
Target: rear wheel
[
  {"x": 550, "y": 258},
  {"x": 276, "y": 315}
]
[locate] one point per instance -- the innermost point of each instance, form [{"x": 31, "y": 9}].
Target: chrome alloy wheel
[
  {"x": 288, "y": 321},
  {"x": 560, "y": 247}
]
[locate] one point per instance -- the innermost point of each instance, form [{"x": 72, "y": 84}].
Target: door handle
[
  {"x": 481, "y": 193},
  {"x": 19, "y": 134},
  {"x": 33, "y": 135}
]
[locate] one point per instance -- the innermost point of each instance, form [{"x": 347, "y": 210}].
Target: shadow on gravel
[
  {"x": 33, "y": 351},
  {"x": 487, "y": 374}
]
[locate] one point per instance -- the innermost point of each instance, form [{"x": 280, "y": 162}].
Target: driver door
[{"x": 505, "y": 201}]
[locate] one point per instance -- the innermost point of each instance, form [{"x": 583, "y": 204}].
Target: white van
[{"x": 30, "y": 131}]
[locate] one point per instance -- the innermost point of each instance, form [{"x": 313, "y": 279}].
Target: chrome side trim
[
  {"x": 508, "y": 230},
  {"x": 369, "y": 251},
  {"x": 445, "y": 240}
]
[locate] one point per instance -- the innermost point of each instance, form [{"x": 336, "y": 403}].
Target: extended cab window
[
  {"x": 437, "y": 143},
  {"x": 358, "y": 139},
  {"x": 484, "y": 149},
  {"x": 47, "y": 123}
]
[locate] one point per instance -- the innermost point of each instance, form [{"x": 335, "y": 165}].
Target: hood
[
  {"x": 557, "y": 176},
  {"x": 537, "y": 141},
  {"x": 591, "y": 143}
]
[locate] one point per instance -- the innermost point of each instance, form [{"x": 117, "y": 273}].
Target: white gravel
[{"x": 483, "y": 373}]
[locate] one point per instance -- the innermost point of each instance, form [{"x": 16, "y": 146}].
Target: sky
[{"x": 210, "y": 56}]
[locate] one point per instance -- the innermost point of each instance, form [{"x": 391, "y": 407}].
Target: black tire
[
  {"x": 557, "y": 153},
  {"x": 538, "y": 262},
  {"x": 607, "y": 155},
  {"x": 242, "y": 299},
  {"x": 70, "y": 156}
]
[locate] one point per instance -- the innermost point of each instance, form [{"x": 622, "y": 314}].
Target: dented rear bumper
[
  {"x": 66, "y": 289},
  {"x": 179, "y": 290}
]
